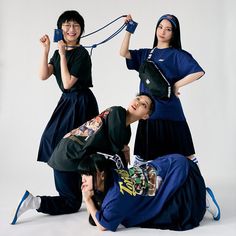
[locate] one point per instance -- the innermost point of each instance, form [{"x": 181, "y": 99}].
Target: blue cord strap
[{"x": 107, "y": 39}]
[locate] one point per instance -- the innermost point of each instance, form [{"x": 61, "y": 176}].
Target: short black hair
[
  {"x": 90, "y": 164},
  {"x": 152, "y": 105},
  {"x": 93, "y": 163},
  {"x": 71, "y": 15}
]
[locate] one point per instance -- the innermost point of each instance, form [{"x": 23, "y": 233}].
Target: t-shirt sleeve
[
  {"x": 113, "y": 209},
  {"x": 52, "y": 59},
  {"x": 118, "y": 204},
  {"x": 134, "y": 62},
  {"x": 188, "y": 65},
  {"x": 116, "y": 128},
  {"x": 110, "y": 217}
]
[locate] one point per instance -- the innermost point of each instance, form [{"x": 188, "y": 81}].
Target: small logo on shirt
[{"x": 161, "y": 59}]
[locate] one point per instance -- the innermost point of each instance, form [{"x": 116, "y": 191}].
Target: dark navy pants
[{"x": 68, "y": 185}]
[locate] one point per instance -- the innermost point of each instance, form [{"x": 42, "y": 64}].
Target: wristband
[{"x": 131, "y": 26}]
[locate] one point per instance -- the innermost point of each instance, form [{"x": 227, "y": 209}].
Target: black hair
[
  {"x": 90, "y": 165},
  {"x": 71, "y": 15},
  {"x": 152, "y": 105},
  {"x": 175, "y": 41},
  {"x": 93, "y": 163}
]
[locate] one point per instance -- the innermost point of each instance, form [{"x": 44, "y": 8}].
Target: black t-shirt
[
  {"x": 106, "y": 133},
  {"x": 79, "y": 65},
  {"x": 110, "y": 133}
]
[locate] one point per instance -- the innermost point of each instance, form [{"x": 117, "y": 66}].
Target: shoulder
[
  {"x": 181, "y": 53},
  {"x": 117, "y": 111},
  {"x": 137, "y": 56},
  {"x": 141, "y": 51},
  {"x": 145, "y": 49},
  {"x": 117, "y": 114},
  {"x": 55, "y": 53},
  {"x": 83, "y": 50},
  {"x": 111, "y": 111},
  {"x": 117, "y": 108},
  {"x": 55, "y": 58},
  {"x": 80, "y": 52}
]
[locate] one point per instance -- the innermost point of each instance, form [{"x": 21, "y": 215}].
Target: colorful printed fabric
[{"x": 144, "y": 178}]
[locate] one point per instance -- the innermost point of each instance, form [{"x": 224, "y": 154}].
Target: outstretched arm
[{"x": 124, "y": 50}]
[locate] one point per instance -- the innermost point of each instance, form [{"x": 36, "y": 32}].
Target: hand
[
  {"x": 176, "y": 90},
  {"x": 126, "y": 151},
  {"x": 128, "y": 18},
  {"x": 86, "y": 192},
  {"x": 62, "y": 48},
  {"x": 45, "y": 41}
]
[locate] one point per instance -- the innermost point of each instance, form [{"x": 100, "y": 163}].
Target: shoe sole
[
  {"x": 26, "y": 194},
  {"x": 215, "y": 202}
]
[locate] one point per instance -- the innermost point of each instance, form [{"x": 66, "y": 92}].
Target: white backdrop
[{"x": 26, "y": 103}]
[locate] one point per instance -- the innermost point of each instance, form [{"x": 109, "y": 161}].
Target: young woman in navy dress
[
  {"x": 71, "y": 65},
  {"x": 72, "y": 68},
  {"x": 167, "y": 130}
]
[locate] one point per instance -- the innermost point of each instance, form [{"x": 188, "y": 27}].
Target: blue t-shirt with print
[
  {"x": 122, "y": 205},
  {"x": 175, "y": 64}
]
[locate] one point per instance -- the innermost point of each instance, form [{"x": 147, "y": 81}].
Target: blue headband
[{"x": 169, "y": 18}]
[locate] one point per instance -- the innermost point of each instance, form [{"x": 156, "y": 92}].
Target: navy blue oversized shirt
[{"x": 122, "y": 205}]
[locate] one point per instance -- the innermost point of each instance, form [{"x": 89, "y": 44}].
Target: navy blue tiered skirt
[
  {"x": 162, "y": 137},
  {"x": 72, "y": 110}
]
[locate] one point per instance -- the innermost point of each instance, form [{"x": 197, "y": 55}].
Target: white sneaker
[
  {"x": 212, "y": 205},
  {"x": 28, "y": 201}
]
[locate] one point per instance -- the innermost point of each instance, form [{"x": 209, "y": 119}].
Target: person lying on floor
[{"x": 168, "y": 192}]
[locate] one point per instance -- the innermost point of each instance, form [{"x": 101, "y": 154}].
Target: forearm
[
  {"x": 67, "y": 79},
  {"x": 124, "y": 50},
  {"x": 188, "y": 79},
  {"x": 44, "y": 71},
  {"x": 91, "y": 208}
]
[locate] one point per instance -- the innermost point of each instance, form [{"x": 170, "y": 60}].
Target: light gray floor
[{"x": 34, "y": 224}]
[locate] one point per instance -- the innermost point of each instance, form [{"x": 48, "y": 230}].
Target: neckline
[
  {"x": 162, "y": 48},
  {"x": 72, "y": 47}
]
